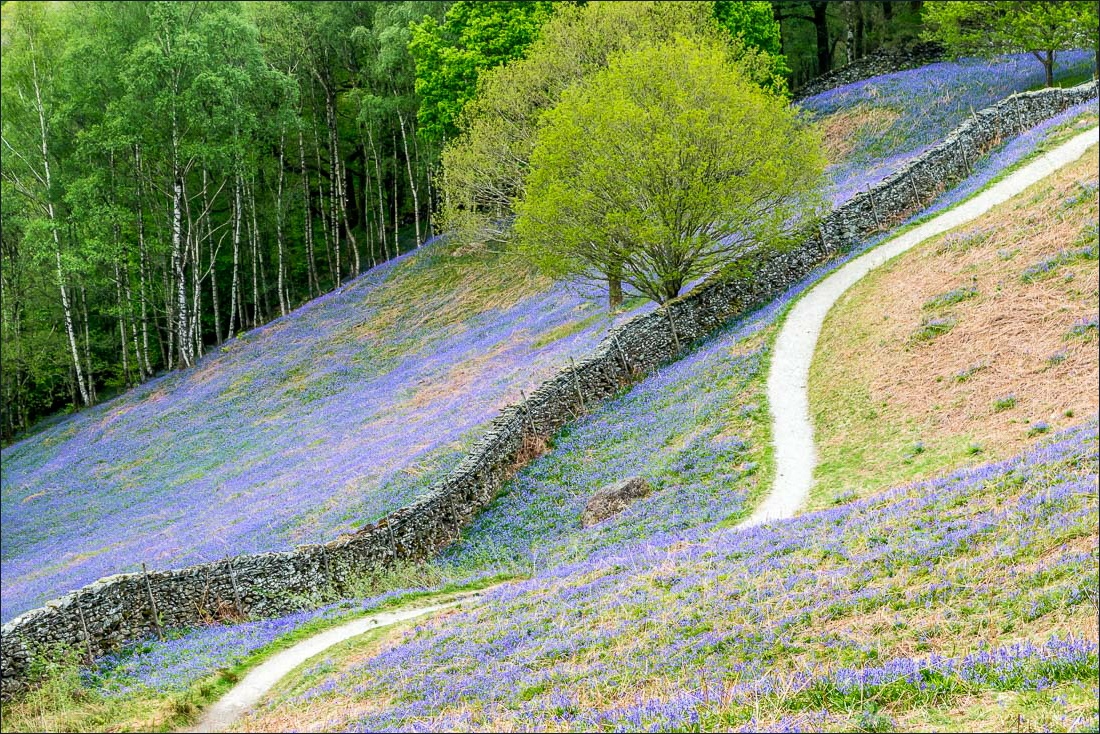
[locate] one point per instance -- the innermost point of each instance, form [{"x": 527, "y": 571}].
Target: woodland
[{"x": 175, "y": 173}]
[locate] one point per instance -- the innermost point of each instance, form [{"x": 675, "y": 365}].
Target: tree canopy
[
  {"x": 989, "y": 27},
  {"x": 473, "y": 37},
  {"x": 485, "y": 166},
  {"x": 664, "y": 166}
]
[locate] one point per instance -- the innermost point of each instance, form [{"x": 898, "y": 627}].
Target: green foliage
[
  {"x": 289, "y": 129},
  {"x": 755, "y": 25},
  {"x": 987, "y": 27},
  {"x": 450, "y": 56},
  {"x": 485, "y": 167},
  {"x": 664, "y": 166}
]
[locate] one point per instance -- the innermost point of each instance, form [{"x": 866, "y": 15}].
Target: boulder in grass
[{"x": 613, "y": 499}]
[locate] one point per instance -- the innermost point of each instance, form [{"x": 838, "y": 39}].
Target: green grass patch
[{"x": 930, "y": 328}]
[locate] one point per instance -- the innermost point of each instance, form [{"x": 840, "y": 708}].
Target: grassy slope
[
  {"x": 349, "y": 407},
  {"x": 293, "y": 433},
  {"x": 965, "y": 602},
  {"x": 680, "y": 460},
  {"x": 965, "y": 348}
]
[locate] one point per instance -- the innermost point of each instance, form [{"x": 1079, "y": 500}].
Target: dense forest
[{"x": 175, "y": 173}]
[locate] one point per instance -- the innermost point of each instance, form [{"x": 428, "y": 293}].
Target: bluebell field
[{"x": 231, "y": 458}]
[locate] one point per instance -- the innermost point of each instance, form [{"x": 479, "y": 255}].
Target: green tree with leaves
[
  {"x": 668, "y": 164},
  {"x": 450, "y": 56},
  {"x": 755, "y": 25},
  {"x": 990, "y": 27},
  {"x": 485, "y": 167}
]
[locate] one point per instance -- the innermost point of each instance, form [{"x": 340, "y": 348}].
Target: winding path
[
  {"x": 247, "y": 693},
  {"x": 793, "y": 432},
  {"x": 794, "y": 346}
]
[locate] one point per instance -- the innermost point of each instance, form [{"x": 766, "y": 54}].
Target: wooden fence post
[
  {"x": 577, "y": 384},
  {"x": 672, "y": 326},
  {"x": 233, "y": 582},
  {"x": 152, "y": 602}
]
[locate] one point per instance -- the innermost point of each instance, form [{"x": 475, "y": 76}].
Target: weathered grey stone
[{"x": 613, "y": 499}]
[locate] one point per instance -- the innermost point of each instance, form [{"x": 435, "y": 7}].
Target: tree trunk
[
  {"x": 281, "y": 274},
  {"x": 314, "y": 284},
  {"x": 326, "y": 210},
  {"x": 122, "y": 309},
  {"x": 412, "y": 179},
  {"x": 143, "y": 264},
  {"x": 209, "y": 230},
  {"x": 234, "y": 281},
  {"x": 52, "y": 216},
  {"x": 849, "y": 31},
  {"x": 87, "y": 342},
  {"x": 381, "y": 201},
  {"x": 336, "y": 184},
  {"x": 614, "y": 290},
  {"x": 254, "y": 242},
  {"x": 194, "y": 237},
  {"x": 215, "y": 305},
  {"x": 396, "y": 227},
  {"x": 821, "y": 26}
]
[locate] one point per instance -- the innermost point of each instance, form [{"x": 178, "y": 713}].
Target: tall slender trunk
[
  {"x": 280, "y": 278},
  {"x": 87, "y": 342},
  {"x": 307, "y": 201},
  {"x": 169, "y": 346},
  {"x": 215, "y": 305},
  {"x": 183, "y": 324},
  {"x": 368, "y": 223},
  {"x": 412, "y": 179},
  {"x": 234, "y": 283},
  {"x": 117, "y": 246},
  {"x": 179, "y": 265},
  {"x": 339, "y": 194},
  {"x": 326, "y": 210},
  {"x": 254, "y": 241},
  {"x": 209, "y": 236},
  {"x": 122, "y": 340},
  {"x": 381, "y": 201},
  {"x": 56, "y": 234},
  {"x": 396, "y": 227},
  {"x": 194, "y": 240},
  {"x": 143, "y": 265},
  {"x": 849, "y": 31}
]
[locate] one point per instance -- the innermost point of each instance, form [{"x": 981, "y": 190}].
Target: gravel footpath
[
  {"x": 792, "y": 429},
  {"x": 793, "y": 432},
  {"x": 248, "y": 692}
]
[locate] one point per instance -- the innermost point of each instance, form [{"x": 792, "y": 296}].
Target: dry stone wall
[{"x": 121, "y": 609}]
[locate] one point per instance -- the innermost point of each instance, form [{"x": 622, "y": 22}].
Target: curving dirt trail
[
  {"x": 258, "y": 681},
  {"x": 792, "y": 430}
]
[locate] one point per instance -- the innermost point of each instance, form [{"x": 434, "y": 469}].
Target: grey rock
[{"x": 613, "y": 499}]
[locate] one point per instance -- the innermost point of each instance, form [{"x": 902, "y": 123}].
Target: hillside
[
  {"x": 962, "y": 601},
  {"x": 346, "y": 408},
  {"x": 664, "y": 617},
  {"x": 964, "y": 350},
  {"x": 308, "y": 427}
]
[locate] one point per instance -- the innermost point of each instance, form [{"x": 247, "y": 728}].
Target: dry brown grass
[
  {"x": 842, "y": 130},
  {"x": 878, "y": 382}
]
